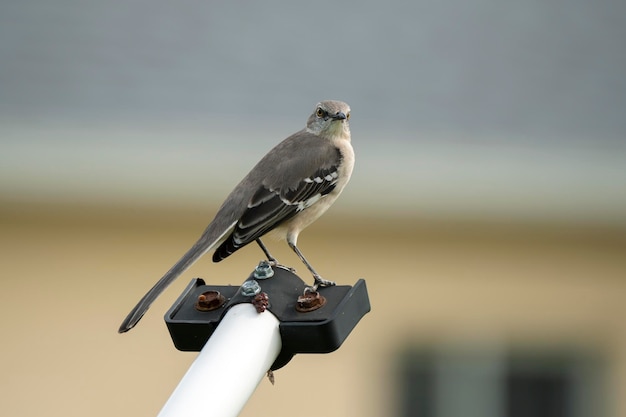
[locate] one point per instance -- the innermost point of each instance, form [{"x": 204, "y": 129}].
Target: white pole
[{"x": 230, "y": 366}]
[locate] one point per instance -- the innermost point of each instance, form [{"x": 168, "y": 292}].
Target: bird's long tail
[{"x": 202, "y": 246}]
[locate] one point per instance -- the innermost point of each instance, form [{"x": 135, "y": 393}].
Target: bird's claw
[
  {"x": 274, "y": 264},
  {"x": 319, "y": 282}
]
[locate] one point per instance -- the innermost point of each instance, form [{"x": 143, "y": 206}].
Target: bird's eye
[
  {"x": 348, "y": 116},
  {"x": 320, "y": 112}
]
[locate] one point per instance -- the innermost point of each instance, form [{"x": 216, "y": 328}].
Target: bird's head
[{"x": 330, "y": 119}]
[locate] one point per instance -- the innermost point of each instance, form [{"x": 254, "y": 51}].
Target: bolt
[
  {"x": 263, "y": 270},
  {"x": 270, "y": 376},
  {"x": 310, "y": 301},
  {"x": 250, "y": 288},
  {"x": 261, "y": 302},
  {"x": 209, "y": 301}
]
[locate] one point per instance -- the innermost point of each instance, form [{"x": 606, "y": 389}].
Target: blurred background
[{"x": 487, "y": 210}]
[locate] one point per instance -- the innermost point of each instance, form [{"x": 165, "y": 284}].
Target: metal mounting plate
[{"x": 319, "y": 331}]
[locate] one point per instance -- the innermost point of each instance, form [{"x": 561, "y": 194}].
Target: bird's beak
[{"x": 339, "y": 116}]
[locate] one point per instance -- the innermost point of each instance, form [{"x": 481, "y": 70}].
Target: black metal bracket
[{"x": 320, "y": 329}]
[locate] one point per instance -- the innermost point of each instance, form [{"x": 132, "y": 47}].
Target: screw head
[
  {"x": 310, "y": 301},
  {"x": 209, "y": 301},
  {"x": 250, "y": 288},
  {"x": 263, "y": 270}
]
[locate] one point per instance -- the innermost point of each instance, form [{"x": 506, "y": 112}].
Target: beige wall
[{"x": 71, "y": 273}]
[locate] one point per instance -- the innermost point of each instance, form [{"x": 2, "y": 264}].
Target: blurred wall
[{"x": 72, "y": 272}]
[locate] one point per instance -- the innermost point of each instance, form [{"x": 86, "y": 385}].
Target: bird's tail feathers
[{"x": 202, "y": 246}]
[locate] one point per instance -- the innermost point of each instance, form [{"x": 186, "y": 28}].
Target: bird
[{"x": 286, "y": 191}]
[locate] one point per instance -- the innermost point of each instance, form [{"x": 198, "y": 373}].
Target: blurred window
[{"x": 496, "y": 384}]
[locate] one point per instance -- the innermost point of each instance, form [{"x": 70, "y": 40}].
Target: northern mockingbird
[{"x": 290, "y": 187}]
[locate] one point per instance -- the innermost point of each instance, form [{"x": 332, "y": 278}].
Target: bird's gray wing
[{"x": 270, "y": 207}]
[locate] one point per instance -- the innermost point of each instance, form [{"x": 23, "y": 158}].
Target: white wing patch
[
  {"x": 308, "y": 203},
  {"x": 301, "y": 205},
  {"x": 330, "y": 179}
]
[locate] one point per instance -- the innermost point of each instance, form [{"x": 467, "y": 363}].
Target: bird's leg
[
  {"x": 319, "y": 281},
  {"x": 267, "y": 253},
  {"x": 273, "y": 261}
]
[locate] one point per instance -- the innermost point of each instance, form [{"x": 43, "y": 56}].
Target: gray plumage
[{"x": 288, "y": 189}]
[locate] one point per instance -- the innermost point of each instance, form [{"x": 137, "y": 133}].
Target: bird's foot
[
  {"x": 275, "y": 264},
  {"x": 319, "y": 282}
]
